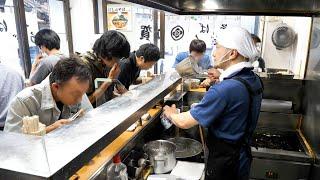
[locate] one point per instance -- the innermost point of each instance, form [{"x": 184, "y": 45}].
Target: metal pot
[
  {"x": 162, "y": 155},
  {"x": 188, "y": 67}
]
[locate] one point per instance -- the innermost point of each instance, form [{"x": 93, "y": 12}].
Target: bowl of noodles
[{"x": 119, "y": 21}]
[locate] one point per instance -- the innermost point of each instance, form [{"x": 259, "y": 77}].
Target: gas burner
[{"x": 288, "y": 141}]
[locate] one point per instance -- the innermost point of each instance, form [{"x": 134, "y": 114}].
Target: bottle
[
  {"x": 166, "y": 122},
  {"x": 117, "y": 170}
]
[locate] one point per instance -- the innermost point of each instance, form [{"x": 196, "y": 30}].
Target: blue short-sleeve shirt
[
  {"x": 205, "y": 62},
  {"x": 225, "y": 107}
]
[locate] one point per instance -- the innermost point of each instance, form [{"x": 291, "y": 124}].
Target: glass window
[
  {"x": 45, "y": 14},
  {"x": 8, "y": 35}
]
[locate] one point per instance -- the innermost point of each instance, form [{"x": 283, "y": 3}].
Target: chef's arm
[{"x": 183, "y": 120}]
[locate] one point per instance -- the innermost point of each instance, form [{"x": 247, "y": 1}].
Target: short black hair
[
  {"x": 149, "y": 51},
  {"x": 112, "y": 44},
  {"x": 198, "y": 46},
  {"x": 48, "y": 39},
  {"x": 255, "y": 38},
  {"x": 67, "y": 68}
]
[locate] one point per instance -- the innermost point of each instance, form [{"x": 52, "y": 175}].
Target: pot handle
[{"x": 160, "y": 162}]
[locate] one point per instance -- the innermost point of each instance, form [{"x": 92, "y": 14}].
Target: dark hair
[
  {"x": 112, "y": 44},
  {"x": 255, "y": 38},
  {"x": 198, "y": 46},
  {"x": 67, "y": 68},
  {"x": 48, "y": 39},
  {"x": 149, "y": 51}
]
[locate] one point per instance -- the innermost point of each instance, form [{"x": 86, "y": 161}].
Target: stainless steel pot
[
  {"x": 188, "y": 67},
  {"x": 162, "y": 155}
]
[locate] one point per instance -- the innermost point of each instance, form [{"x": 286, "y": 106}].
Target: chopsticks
[{"x": 81, "y": 111}]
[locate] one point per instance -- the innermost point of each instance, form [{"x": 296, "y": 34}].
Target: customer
[
  {"x": 11, "y": 83},
  {"x": 49, "y": 43},
  {"x": 55, "y": 99},
  {"x": 197, "y": 50},
  {"x": 103, "y": 62}
]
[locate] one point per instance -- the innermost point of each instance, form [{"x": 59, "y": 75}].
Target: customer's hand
[
  {"x": 35, "y": 64},
  {"x": 38, "y": 59},
  {"x": 114, "y": 72}
]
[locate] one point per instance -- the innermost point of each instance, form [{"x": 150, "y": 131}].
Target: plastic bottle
[
  {"x": 166, "y": 122},
  {"x": 117, "y": 170}
]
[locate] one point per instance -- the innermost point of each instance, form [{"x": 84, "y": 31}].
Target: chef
[
  {"x": 55, "y": 99},
  {"x": 230, "y": 109}
]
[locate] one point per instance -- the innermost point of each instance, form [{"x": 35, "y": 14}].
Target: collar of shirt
[
  {"x": 234, "y": 69},
  {"x": 47, "y": 100}
]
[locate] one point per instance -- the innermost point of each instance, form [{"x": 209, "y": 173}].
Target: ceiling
[{"x": 241, "y": 7}]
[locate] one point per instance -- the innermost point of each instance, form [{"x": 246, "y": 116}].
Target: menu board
[{"x": 119, "y": 17}]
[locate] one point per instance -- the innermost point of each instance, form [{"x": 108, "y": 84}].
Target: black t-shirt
[{"x": 129, "y": 70}]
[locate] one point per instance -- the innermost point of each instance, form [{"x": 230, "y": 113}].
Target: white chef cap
[{"x": 240, "y": 39}]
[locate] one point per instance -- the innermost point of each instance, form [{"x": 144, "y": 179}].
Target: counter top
[
  {"x": 198, "y": 90},
  {"x": 59, "y": 154}
]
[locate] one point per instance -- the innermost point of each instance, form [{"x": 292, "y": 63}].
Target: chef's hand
[
  {"x": 213, "y": 77},
  {"x": 214, "y": 74},
  {"x": 57, "y": 124},
  {"x": 168, "y": 111},
  {"x": 115, "y": 71},
  {"x": 205, "y": 83}
]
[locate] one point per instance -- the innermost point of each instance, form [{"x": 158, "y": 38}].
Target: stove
[
  {"x": 288, "y": 141},
  {"x": 279, "y": 155}
]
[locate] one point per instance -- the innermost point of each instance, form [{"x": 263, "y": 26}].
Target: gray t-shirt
[{"x": 45, "y": 68}]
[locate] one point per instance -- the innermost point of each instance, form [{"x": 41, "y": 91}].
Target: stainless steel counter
[{"x": 60, "y": 153}]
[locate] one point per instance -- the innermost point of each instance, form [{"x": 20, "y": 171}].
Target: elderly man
[
  {"x": 55, "y": 99},
  {"x": 230, "y": 108}
]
